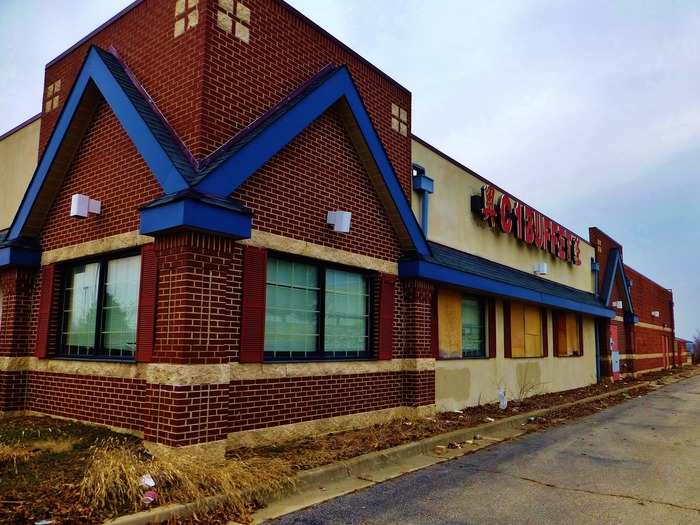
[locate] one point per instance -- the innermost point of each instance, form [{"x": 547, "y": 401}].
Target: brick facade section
[
  {"x": 646, "y": 296},
  {"x": 209, "y": 86},
  {"x": 270, "y": 402},
  {"x": 108, "y": 168}
]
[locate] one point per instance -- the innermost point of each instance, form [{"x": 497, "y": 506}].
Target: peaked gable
[
  {"x": 103, "y": 75},
  {"x": 615, "y": 275}
]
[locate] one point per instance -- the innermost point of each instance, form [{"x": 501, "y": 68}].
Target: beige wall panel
[
  {"x": 469, "y": 382},
  {"x": 18, "y": 158},
  {"x": 452, "y": 223}
]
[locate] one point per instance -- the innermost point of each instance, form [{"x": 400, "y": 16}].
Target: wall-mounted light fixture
[
  {"x": 655, "y": 313},
  {"x": 617, "y": 304},
  {"x": 82, "y": 206},
  {"x": 540, "y": 268},
  {"x": 340, "y": 220}
]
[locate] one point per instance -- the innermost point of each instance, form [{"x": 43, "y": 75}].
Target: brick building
[
  {"x": 220, "y": 244},
  {"x": 642, "y": 330}
]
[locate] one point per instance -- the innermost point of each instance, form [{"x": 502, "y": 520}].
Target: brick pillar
[
  {"x": 197, "y": 323},
  {"x": 418, "y": 385},
  {"x": 17, "y": 285}
]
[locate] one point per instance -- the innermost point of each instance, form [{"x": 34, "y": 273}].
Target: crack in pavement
[{"x": 585, "y": 491}]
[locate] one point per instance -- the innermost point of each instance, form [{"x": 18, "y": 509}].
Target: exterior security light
[
  {"x": 655, "y": 313},
  {"x": 82, "y": 206},
  {"x": 617, "y": 304},
  {"x": 540, "y": 268},
  {"x": 340, "y": 220}
]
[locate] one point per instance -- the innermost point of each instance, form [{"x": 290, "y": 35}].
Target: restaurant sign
[{"x": 526, "y": 224}]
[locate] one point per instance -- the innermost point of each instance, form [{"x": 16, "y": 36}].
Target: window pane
[
  {"x": 292, "y": 308},
  {"x": 572, "y": 343},
  {"x": 80, "y": 309},
  {"x": 121, "y": 306},
  {"x": 347, "y": 317},
  {"x": 472, "y": 328}
]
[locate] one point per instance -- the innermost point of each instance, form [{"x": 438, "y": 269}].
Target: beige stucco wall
[
  {"x": 452, "y": 223},
  {"x": 468, "y": 382},
  {"x": 18, "y": 158}
]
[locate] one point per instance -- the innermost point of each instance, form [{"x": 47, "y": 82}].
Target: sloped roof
[{"x": 472, "y": 271}]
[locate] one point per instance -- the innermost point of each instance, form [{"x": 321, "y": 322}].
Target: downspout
[
  {"x": 595, "y": 269},
  {"x": 673, "y": 332},
  {"x": 423, "y": 185}
]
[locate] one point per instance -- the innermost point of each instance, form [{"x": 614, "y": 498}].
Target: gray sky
[{"x": 589, "y": 110}]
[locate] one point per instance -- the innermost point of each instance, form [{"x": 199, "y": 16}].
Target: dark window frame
[
  {"x": 320, "y": 354},
  {"x": 99, "y": 350},
  {"x": 484, "y": 330}
]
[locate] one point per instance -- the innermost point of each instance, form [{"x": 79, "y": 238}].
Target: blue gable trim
[
  {"x": 96, "y": 71},
  {"x": 613, "y": 269},
  {"x": 195, "y": 213},
  {"x": 436, "y": 272},
  {"x": 19, "y": 256},
  {"x": 223, "y": 171},
  {"x": 229, "y": 174}
]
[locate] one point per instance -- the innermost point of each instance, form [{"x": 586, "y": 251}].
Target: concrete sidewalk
[{"x": 634, "y": 463}]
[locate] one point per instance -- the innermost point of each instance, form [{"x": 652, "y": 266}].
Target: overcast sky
[{"x": 589, "y": 110}]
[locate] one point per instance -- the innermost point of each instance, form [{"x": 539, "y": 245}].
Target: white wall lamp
[
  {"x": 617, "y": 304},
  {"x": 340, "y": 220},
  {"x": 540, "y": 268},
  {"x": 655, "y": 313},
  {"x": 82, "y": 206}
]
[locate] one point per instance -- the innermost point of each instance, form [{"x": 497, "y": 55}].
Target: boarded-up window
[
  {"x": 525, "y": 330},
  {"x": 568, "y": 336},
  {"x": 473, "y": 330}
]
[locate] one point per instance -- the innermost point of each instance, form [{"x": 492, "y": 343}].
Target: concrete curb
[{"x": 358, "y": 466}]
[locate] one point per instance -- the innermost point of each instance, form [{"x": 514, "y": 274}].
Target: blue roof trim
[
  {"x": 96, "y": 70},
  {"x": 197, "y": 212},
  {"x": 466, "y": 270},
  {"x": 435, "y": 272},
  {"x": 271, "y": 137},
  {"x": 19, "y": 256},
  {"x": 613, "y": 268}
]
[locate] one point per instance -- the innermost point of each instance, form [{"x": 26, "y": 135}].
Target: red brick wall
[
  {"x": 283, "y": 52},
  {"x": 269, "y": 402},
  {"x": 107, "y": 167},
  {"x": 648, "y": 296},
  {"x": 170, "y": 68},
  {"x": 16, "y": 328},
  {"x": 104, "y": 400},
  {"x": 317, "y": 172},
  {"x": 602, "y": 244}
]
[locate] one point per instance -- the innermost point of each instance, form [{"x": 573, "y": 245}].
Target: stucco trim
[
  {"x": 214, "y": 374},
  {"x": 252, "y": 371},
  {"x": 317, "y": 427},
  {"x": 645, "y": 325},
  {"x": 636, "y": 356},
  {"x": 272, "y": 241},
  {"x": 120, "y": 241}
]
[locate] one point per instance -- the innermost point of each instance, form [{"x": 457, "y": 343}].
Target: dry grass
[
  {"x": 14, "y": 453},
  {"x": 112, "y": 479}
]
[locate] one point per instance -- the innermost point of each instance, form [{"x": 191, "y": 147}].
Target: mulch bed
[{"x": 47, "y": 486}]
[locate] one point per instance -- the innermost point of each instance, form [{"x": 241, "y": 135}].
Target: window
[
  {"x": 315, "y": 312},
  {"x": 525, "y": 330},
  {"x": 568, "y": 334},
  {"x": 473, "y": 327},
  {"x": 99, "y": 308}
]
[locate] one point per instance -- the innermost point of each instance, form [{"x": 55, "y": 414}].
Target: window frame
[
  {"x": 482, "y": 302},
  {"x": 319, "y": 354},
  {"x": 103, "y": 261}
]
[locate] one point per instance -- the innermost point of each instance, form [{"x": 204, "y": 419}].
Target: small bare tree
[{"x": 696, "y": 347}]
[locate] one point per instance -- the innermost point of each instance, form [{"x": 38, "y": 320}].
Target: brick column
[
  {"x": 419, "y": 385},
  {"x": 197, "y": 323},
  {"x": 17, "y": 285}
]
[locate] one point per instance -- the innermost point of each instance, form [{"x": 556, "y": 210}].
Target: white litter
[
  {"x": 502, "y": 401},
  {"x": 147, "y": 481}
]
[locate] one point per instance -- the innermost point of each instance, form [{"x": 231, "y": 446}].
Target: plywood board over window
[
  {"x": 527, "y": 330},
  {"x": 568, "y": 336}
]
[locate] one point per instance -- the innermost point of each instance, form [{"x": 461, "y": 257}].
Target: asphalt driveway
[{"x": 635, "y": 463}]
